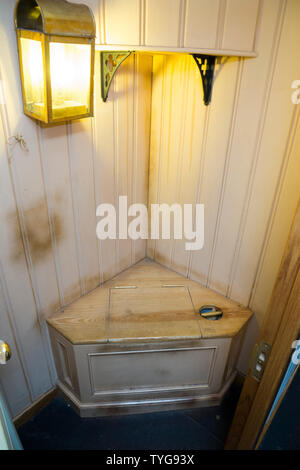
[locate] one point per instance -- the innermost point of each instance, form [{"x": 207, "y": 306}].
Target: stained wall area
[{"x": 239, "y": 156}]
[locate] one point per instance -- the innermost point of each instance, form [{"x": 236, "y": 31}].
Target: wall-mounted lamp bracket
[
  {"x": 206, "y": 66},
  {"x": 110, "y": 62}
]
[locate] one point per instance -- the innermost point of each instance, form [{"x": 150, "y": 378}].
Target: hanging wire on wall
[{"x": 17, "y": 139}]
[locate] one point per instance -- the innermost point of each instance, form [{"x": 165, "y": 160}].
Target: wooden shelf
[{"x": 172, "y": 50}]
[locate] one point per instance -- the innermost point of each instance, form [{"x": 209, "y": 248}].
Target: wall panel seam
[
  {"x": 169, "y": 141},
  {"x": 130, "y": 138},
  {"x": 75, "y": 209},
  {"x": 146, "y": 9},
  {"x": 192, "y": 131},
  {"x": 236, "y": 98},
  {"x": 135, "y": 104},
  {"x": 199, "y": 187},
  {"x": 221, "y": 23},
  {"x": 102, "y": 32},
  {"x": 50, "y": 219},
  {"x": 116, "y": 160},
  {"x": 142, "y": 22},
  {"x": 97, "y": 191},
  {"x": 258, "y": 24},
  {"x": 162, "y": 105},
  {"x": 94, "y": 148},
  {"x": 186, "y": 78},
  {"x": 147, "y": 199},
  {"x": 182, "y": 23}
]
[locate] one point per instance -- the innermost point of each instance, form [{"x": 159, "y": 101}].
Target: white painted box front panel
[
  {"x": 126, "y": 369},
  {"x": 156, "y": 368}
]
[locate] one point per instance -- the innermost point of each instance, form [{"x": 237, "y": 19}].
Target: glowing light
[
  {"x": 70, "y": 77},
  {"x": 33, "y": 71}
]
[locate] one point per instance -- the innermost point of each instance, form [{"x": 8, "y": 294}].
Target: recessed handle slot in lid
[{"x": 210, "y": 312}]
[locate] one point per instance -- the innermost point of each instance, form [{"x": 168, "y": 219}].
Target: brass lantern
[{"x": 56, "y": 42}]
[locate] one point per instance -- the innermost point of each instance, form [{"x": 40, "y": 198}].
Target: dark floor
[
  {"x": 284, "y": 431},
  {"x": 58, "y": 427}
]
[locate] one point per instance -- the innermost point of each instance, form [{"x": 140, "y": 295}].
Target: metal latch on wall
[{"x": 260, "y": 358}]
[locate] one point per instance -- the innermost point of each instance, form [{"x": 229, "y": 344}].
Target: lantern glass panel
[
  {"x": 33, "y": 77},
  {"x": 70, "y": 72}
]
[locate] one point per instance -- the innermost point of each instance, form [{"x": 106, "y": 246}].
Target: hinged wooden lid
[{"x": 148, "y": 302}]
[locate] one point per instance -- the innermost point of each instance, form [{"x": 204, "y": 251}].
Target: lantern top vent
[{"x": 57, "y": 17}]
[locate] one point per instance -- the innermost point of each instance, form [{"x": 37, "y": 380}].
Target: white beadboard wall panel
[
  {"x": 241, "y": 18},
  {"x": 244, "y": 148},
  {"x": 251, "y": 108},
  {"x": 284, "y": 207},
  {"x": 141, "y": 140},
  {"x": 168, "y": 164},
  {"x": 156, "y": 19},
  {"x": 123, "y": 131},
  {"x": 17, "y": 284},
  {"x": 201, "y": 29},
  {"x": 173, "y": 77},
  {"x": 122, "y": 21},
  {"x": 104, "y": 170},
  {"x": 27, "y": 179},
  {"x": 27, "y": 186},
  {"x": 157, "y": 106},
  {"x": 272, "y": 157},
  {"x": 122, "y": 153},
  {"x": 213, "y": 153},
  {"x": 192, "y": 126}
]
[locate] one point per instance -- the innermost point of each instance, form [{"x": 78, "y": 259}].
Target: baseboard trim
[
  {"x": 89, "y": 410},
  {"x": 34, "y": 408}
]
